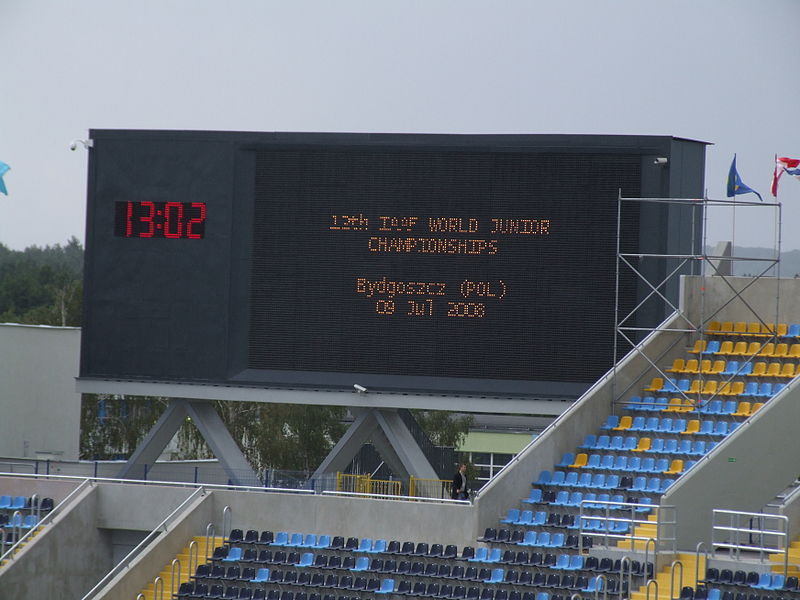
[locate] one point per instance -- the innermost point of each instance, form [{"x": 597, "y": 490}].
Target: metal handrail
[
  {"x": 394, "y": 498},
  {"x": 675, "y": 563},
  {"x": 193, "y": 565},
  {"x": 211, "y": 535},
  {"x": 156, "y": 583},
  {"x": 697, "y": 560},
  {"x": 9, "y": 554},
  {"x": 647, "y": 589},
  {"x": 736, "y": 547},
  {"x": 172, "y": 577},
  {"x": 227, "y": 520},
  {"x": 647, "y": 555},
  {"x": 626, "y": 560},
  {"x": 125, "y": 562}
]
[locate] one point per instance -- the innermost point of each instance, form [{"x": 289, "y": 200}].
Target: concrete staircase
[
  {"x": 663, "y": 578},
  {"x": 37, "y": 530},
  {"x": 183, "y": 556}
]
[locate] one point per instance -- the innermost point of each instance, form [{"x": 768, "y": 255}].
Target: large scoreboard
[{"x": 449, "y": 264}]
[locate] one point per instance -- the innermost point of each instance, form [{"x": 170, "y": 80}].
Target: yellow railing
[
  {"x": 365, "y": 484},
  {"x": 429, "y": 488}
]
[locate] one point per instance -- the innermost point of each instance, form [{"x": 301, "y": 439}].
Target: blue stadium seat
[
  {"x": 611, "y": 422},
  {"x": 511, "y": 517},
  {"x": 570, "y": 479},
  {"x": 620, "y": 462},
  {"x": 612, "y": 482},
  {"x": 607, "y": 462},
  {"x": 593, "y": 462},
  {"x": 712, "y": 347},
  {"x": 670, "y": 446},
  {"x": 534, "y": 497},
  {"x": 566, "y": 460},
  {"x": 603, "y": 442},
  {"x": 588, "y": 442}
]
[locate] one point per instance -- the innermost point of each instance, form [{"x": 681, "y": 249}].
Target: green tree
[{"x": 444, "y": 428}]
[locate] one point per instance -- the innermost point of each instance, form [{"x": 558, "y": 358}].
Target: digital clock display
[{"x": 160, "y": 220}]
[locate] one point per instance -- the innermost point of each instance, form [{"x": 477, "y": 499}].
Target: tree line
[{"x": 44, "y": 286}]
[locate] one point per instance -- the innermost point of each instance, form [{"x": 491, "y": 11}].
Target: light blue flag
[{"x": 3, "y": 170}]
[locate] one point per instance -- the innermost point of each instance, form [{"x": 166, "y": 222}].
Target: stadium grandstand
[{"x": 672, "y": 475}]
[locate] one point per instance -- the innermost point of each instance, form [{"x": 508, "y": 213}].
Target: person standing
[{"x": 459, "y": 489}]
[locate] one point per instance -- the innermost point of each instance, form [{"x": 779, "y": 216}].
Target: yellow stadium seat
[
  {"x": 710, "y": 387},
  {"x": 759, "y": 369},
  {"x": 740, "y": 328},
  {"x": 773, "y": 370},
  {"x": 580, "y": 461},
  {"x": 794, "y": 351},
  {"x": 724, "y": 388},
  {"x": 625, "y": 422},
  {"x": 692, "y": 367},
  {"x": 699, "y": 346},
  {"x": 756, "y": 407},
  {"x": 740, "y": 349},
  {"x": 717, "y": 368},
  {"x": 695, "y": 387},
  {"x": 677, "y": 366},
  {"x": 754, "y": 328},
  {"x": 675, "y": 468},
  {"x": 767, "y": 350},
  {"x": 787, "y": 370},
  {"x": 713, "y": 328},
  {"x": 725, "y": 347},
  {"x": 705, "y": 366},
  {"x": 675, "y": 405},
  {"x": 743, "y": 410},
  {"x": 767, "y": 330},
  {"x": 783, "y": 329},
  {"x": 643, "y": 445},
  {"x": 656, "y": 384},
  {"x": 733, "y": 388},
  {"x": 726, "y": 328},
  {"x": 692, "y": 427},
  {"x": 781, "y": 351},
  {"x": 753, "y": 348}
]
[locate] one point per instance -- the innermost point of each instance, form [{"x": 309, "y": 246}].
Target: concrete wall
[
  {"x": 744, "y": 472},
  {"x": 775, "y": 300},
  {"x": 584, "y": 417},
  {"x": 349, "y": 516},
  {"x": 38, "y": 366},
  {"x": 160, "y": 552},
  {"x": 66, "y": 559}
]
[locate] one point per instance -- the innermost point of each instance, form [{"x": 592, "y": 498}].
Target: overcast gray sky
[{"x": 722, "y": 71}]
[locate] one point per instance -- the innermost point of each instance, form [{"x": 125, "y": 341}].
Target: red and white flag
[{"x": 789, "y": 165}]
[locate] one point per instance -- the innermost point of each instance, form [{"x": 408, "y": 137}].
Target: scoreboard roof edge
[{"x": 543, "y": 142}]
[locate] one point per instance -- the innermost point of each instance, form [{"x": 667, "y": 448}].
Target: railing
[
  {"x": 125, "y": 562},
  {"x": 365, "y": 484},
  {"x": 727, "y": 532},
  {"x": 429, "y": 488},
  {"x": 9, "y": 554},
  {"x": 618, "y": 527},
  {"x": 384, "y": 497}
]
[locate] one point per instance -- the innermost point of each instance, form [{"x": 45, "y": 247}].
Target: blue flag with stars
[
  {"x": 735, "y": 184},
  {"x": 3, "y": 170}
]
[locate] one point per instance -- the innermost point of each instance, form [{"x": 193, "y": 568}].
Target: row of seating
[
  {"x": 753, "y": 329},
  {"x": 284, "y": 539},
  {"x": 712, "y": 387},
  {"x": 734, "y": 408},
  {"x": 733, "y": 368},
  {"x": 678, "y": 446},
  {"x": 490, "y": 577},
  {"x": 10, "y": 503},
  {"x": 752, "y": 349},
  {"x": 753, "y": 579},
  {"x": 203, "y": 591},
  {"x": 667, "y": 425},
  {"x": 714, "y": 593}
]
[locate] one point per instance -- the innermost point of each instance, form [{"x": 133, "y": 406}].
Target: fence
[
  {"x": 429, "y": 488},
  {"x": 365, "y": 484}
]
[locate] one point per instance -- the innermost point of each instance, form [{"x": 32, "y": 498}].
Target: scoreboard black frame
[{"x": 445, "y": 264}]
